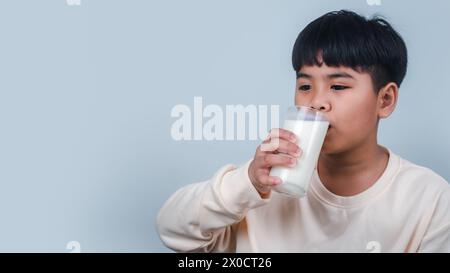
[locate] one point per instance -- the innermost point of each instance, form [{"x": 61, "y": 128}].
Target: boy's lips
[{"x": 329, "y": 127}]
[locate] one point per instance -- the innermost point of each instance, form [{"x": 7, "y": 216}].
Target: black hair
[{"x": 348, "y": 39}]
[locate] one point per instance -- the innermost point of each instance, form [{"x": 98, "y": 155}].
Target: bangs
[
  {"x": 338, "y": 41},
  {"x": 344, "y": 38}
]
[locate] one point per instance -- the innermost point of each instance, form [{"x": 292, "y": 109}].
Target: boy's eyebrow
[
  {"x": 303, "y": 75},
  {"x": 339, "y": 75},
  {"x": 330, "y": 76}
]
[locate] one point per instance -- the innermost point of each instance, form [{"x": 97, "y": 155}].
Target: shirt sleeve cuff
[{"x": 238, "y": 192}]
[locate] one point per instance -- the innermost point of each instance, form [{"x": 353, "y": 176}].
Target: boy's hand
[{"x": 279, "y": 149}]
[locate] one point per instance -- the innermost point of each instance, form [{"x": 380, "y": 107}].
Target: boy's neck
[{"x": 353, "y": 171}]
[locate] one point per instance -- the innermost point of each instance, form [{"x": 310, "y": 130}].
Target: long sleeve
[{"x": 203, "y": 217}]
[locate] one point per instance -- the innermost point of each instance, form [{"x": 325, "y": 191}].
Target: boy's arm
[{"x": 200, "y": 217}]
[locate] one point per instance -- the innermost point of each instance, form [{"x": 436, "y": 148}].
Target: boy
[{"x": 362, "y": 197}]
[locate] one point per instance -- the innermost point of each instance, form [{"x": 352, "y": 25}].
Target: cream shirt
[{"x": 406, "y": 210}]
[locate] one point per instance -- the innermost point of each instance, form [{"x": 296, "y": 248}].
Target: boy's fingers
[
  {"x": 269, "y": 181},
  {"x": 269, "y": 145},
  {"x": 263, "y": 171},
  {"x": 270, "y": 160},
  {"x": 272, "y": 142},
  {"x": 275, "y": 180},
  {"x": 288, "y": 147},
  {"x": 284, "y": 134},
  {"x": 261, "y": 186}
]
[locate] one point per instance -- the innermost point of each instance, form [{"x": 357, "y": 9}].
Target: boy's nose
[
  {"x": 321, "y": 106},
  {"x": 319, "y": 101}
]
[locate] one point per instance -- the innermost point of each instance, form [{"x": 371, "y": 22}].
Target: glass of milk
[{"x": 311, "y": 127}]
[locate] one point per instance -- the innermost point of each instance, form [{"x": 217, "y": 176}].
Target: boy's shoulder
[{"x": 419, "y": 176}]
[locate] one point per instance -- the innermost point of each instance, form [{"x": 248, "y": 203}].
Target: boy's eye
[
  {"x": 304, "y": 87},
  {"x": 339, "y": 87}
]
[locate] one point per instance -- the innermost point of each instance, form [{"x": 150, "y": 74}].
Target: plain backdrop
[{"x": 86, "y": 93}]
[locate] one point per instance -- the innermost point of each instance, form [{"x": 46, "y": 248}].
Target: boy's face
[{"x": 347, "y": 99}]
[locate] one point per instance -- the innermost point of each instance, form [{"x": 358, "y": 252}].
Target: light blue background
[{"x": 86, "y": 93}]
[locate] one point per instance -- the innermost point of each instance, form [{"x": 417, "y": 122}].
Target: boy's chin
[{"x": 329, "y": 148}]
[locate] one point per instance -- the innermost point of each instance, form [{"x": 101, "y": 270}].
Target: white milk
[{"x": 311, "y": 135}]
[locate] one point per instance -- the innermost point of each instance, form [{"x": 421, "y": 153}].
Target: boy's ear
[{"x": 387, "y": 100}]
